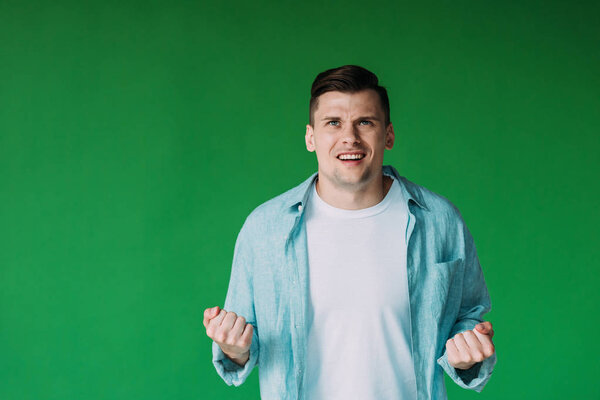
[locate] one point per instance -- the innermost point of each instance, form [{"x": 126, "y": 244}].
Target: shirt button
[{"x": 300, "y": 207}]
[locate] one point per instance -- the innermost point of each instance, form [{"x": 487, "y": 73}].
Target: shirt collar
[{"x": 299, "y": 195}]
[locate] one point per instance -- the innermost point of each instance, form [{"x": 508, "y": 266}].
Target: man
[{"x": 356, "y": 284}]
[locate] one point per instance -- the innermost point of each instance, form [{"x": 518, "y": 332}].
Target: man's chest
[{"x": 356, "y": 262}]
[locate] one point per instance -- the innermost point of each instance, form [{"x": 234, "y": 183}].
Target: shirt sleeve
[
  {"x": 474, "y": 304},
  {"x": 239, "y": 299}
]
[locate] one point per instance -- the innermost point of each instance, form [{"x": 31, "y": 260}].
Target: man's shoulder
[
  {"x": 440, "y": 215},
  {"x": 435, "y": 203},
  {"x": 276, "y": 209}
]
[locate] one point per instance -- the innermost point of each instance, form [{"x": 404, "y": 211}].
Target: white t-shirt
[{"x": 359, "y": 339}]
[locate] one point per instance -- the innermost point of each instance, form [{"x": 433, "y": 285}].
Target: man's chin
[{"x": 350, "y": 182}]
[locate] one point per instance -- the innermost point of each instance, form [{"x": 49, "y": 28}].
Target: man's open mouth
[{"x": 351, "y": 156}]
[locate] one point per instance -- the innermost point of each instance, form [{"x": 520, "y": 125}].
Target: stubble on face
[{"x": 343, "y": 183}]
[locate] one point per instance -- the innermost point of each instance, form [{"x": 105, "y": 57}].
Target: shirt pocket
[{"x": 445, "y": 288}]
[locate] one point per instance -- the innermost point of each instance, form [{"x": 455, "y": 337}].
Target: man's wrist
[
  {"x": 240, "y": 359},
  {"x": 463, "y": 367}
]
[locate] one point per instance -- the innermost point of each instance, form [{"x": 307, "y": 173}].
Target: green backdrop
[{"x": 135, "y": 137}]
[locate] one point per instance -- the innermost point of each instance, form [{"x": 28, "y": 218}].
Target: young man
[{"x": 356, "y": 284}]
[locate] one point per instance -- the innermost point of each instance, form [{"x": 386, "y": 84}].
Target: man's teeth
[{"x": 351, "y": 156}]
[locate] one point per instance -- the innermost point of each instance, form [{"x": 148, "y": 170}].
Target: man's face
[{"x": 349, "y": 137}]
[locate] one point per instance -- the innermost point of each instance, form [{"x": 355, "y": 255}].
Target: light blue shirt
[{"x": 269, "y": 287}]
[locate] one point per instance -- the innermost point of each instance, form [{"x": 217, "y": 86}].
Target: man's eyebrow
[{"x": 373, "y": 117}]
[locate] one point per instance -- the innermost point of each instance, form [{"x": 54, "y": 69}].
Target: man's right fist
[{"x": 230, "y": 332}]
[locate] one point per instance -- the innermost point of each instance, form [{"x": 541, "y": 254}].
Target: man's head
[{"x": 349, "y": 127}]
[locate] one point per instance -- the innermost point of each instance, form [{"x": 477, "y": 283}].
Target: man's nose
[{"x": 350, "y": 135}]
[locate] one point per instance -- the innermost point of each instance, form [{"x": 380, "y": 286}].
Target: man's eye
[
  {"x": 334, "y": 123},
  {"x": 367, "y": 122}
]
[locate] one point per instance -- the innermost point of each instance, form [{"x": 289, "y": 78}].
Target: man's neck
[{"x": 354, "y": 199}]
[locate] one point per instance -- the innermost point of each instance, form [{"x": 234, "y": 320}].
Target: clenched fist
[
  {"x": 470, "y": 347},
  {"x": 230, "y": 332}
]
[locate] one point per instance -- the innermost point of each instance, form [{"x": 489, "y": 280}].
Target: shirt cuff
[
  {"x": 232, "y": 373},
  {"x": 473, "y": 378}
]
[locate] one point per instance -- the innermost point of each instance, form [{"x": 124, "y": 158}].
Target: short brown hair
[{"x": 347, "y": 79}]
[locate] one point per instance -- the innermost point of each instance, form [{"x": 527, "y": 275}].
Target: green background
[{"x": 135, "y": 137}]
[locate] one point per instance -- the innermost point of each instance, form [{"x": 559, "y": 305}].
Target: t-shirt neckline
[{"x": 333, "y": 211}]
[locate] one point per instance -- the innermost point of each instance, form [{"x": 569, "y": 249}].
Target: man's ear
[
  {"x": 309, "y": 138},
  {"x": 389, "y": 136}
]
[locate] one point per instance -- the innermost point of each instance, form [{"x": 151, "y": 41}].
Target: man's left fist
[{"x": 470, "y": 347}]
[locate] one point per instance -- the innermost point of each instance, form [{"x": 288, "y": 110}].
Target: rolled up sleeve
[
  {"x": 474, "y": 304},
  {"x": 239, "y": 299}
]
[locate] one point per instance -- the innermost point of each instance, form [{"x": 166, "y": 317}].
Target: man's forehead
[{"x": 342, "y": 102}]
